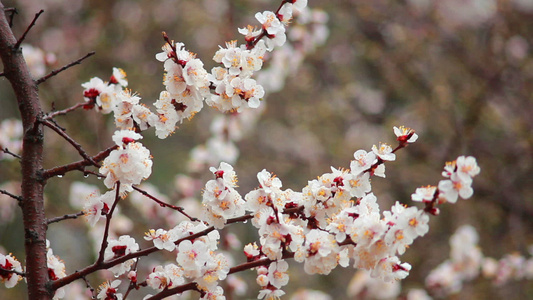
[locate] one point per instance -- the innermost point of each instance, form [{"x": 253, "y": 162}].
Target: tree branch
[
  {"x": 71, "y": 141},
  {"x": 64, "y": 217},
  {"x": 163, "y": 204},
  {"x": 21, "y": 39},
  {"x": 79, "y": 165},
  {"x": 65, "y": 111},
  {"x": 57, "y": 71}
]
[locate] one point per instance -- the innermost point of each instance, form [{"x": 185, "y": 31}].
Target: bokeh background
[{"x": 459, "y": 72}]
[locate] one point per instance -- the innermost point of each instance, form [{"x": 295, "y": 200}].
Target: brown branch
[
  {"x": 57, "y": 71},
  {"x": 65, "y": 111},
  {"x": 163, "y": 204},
  {"x": 79, "y": 165},
  {"x": 64, "y": 217},
  {"x": 21, "y": 39},
  {"x": 71, "y": 141}
]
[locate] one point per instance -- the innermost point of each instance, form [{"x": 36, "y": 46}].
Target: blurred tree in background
[{"x": 458, "y": 72}]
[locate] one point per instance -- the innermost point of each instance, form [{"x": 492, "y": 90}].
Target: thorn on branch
[
  {"x": 64, "y": 217},
  {"x": 17, "y": 45},
  {"x": 57, "y": 71},
  {"x": 12, "y": 11}
]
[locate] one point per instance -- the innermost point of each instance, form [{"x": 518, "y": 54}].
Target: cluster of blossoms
[
  {"x": 220, "y": 199},
  {"x": 10, "y": 137},
  {"x": 467, "y": 263},
  {"x": 117, "y": 248},
  {"x": 272, "y": 279},
  {"x": 459, "y": 183},
  {"x": 197, "y": 259},
  {"x": 129, "y": 164},
  {"x": 186, "y": 87},
  {"x": 335, "y": 219},
  {"x": 303, "y": 36}
]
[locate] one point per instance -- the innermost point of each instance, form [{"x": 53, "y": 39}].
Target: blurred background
[{"x": 459, "y": 72}]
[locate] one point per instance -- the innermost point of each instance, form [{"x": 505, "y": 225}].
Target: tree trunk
[{"x": 32, "y": 204}]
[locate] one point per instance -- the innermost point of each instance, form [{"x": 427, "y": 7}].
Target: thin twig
[
  {"x": 17, "y": 45},
  {"x": 64, "y": 217},
  {"x": 57, "y": 71},
  {"x": 89, "y": 286},
  {"x": 79, "y": 165},
  {"x": 71, "y": 141},
  {"x": 18, "y": 198},
  {"x": 108, "y": 217},
  {"x": 133, "y": 283},
  {"x": 10, "y": 153},
  {"x": 65, "y": 111},
  {"x": 163, "y": 204}
]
